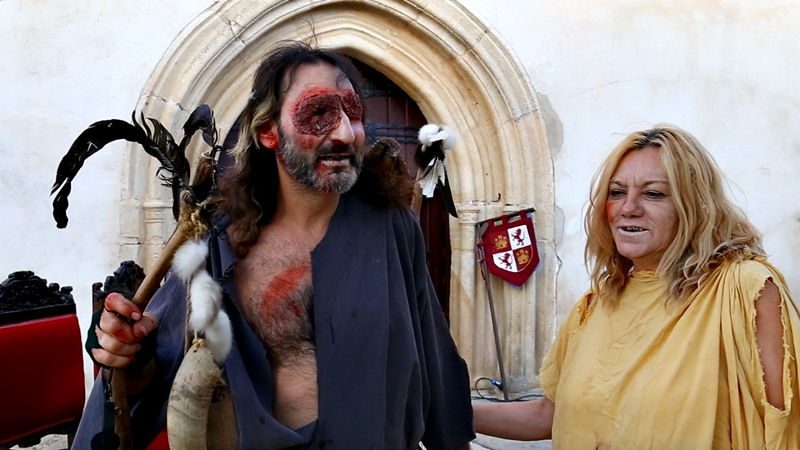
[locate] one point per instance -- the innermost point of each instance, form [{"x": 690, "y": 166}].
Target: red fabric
[
  {"x": 41, "y": 381},
  {"x": 161, "y": 442}
]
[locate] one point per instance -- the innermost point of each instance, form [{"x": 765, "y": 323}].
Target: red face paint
[
  {"x": 318, "y": 112},
  {"x": 307, "y": 143},
  {"x": 352, "y": 106},
  {"x": 318, "y": 115},
  {"x": 281, "y": 286}
]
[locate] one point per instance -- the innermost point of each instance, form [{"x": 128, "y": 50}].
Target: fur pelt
[
  {"x": 205, "y": 298},
  {"x": 385, "y": 180}
]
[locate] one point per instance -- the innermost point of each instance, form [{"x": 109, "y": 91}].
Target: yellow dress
[{"x": 656, "y": 375}]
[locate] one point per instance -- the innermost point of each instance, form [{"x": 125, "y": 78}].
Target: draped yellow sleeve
[{"x": 653, "y": 374}]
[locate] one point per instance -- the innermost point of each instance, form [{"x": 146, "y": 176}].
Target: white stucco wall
[
  {"x": 63, "y": 66},
  {"x": 724, "y": 70}
]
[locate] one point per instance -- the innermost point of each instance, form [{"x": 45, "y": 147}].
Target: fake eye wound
[{"x": 320, "y": 114}]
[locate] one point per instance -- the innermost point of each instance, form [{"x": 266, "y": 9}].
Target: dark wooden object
[{"x": 42, "y": 384}]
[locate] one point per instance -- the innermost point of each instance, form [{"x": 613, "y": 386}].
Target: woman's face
[{"x": 640, "y": 211}]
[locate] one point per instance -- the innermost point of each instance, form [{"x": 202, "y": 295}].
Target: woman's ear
[{"x": 268, "y": 135}]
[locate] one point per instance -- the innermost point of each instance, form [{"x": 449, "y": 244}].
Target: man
[{"x": 339, "y": 340}]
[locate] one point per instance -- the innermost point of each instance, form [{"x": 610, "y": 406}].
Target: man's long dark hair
[{"x": 248, "y": 189}]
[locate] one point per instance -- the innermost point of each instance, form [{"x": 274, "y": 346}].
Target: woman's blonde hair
[{"x": 711, "y": 228}]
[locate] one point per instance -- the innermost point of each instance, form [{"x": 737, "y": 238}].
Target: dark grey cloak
[{"x": 389, "y": 373}]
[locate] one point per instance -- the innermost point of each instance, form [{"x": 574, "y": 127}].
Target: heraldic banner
[{"x": 509, "y": 245}]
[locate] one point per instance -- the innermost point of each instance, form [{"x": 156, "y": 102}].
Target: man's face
[{"x": 320, "y": 133}]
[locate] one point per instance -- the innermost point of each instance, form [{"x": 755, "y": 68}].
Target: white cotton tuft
[
  {"x": 219, "y": 337},
  {"x": 189, "y": 259},
  {"x": 206, "y": 297},
  {"x": 449, "y": 141},
  {"x": 428, "y": 133}
]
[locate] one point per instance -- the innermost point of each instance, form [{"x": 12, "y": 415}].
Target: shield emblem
[{"x": 510, "y": 248}]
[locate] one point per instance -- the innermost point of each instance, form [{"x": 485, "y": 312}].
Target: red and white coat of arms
[{"x": 510, "y": 248}]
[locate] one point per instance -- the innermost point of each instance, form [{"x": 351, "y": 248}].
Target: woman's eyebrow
[
  {"x": 645, "y": 184},
  {"x": 648, "y": 183}
]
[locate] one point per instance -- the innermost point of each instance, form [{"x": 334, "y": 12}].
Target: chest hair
[{"x": 274, "y": 281}]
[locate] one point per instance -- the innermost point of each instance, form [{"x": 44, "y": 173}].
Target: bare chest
[{"x": 274, "y": 282}]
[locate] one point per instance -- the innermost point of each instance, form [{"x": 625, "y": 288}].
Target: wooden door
[{"x": 392, "y": 113}]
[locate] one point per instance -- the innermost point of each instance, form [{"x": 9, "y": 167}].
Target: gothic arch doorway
[
  {"x": 458, "y": 71},
  {"x": 393, "y": 113}
]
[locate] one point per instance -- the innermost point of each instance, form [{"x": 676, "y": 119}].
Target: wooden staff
[
  {"x": 118, "y": 378},
  {"x": 189, "y": 227},
  {"x": 480, "y": 228},
  {"x": 175, "y": 169}
]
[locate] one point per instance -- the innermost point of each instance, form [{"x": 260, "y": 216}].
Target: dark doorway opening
[{"x": 392, "y": 113}]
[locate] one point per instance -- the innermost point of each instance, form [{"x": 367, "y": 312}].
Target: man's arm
[{"x": 521, "y": 421}]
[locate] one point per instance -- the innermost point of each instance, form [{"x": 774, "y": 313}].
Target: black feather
[
  {"x": 94, "y": 138},
  {"x": 88, "y": 143},
  {"x": 175, "y": 169},
  {"x": 447, "y": 196},
  {"x": 434, "y": 151},
  {"x": 423, "y": 158},
  {"x": 202, "y": 118},
  {"x": 162, "y": 146},
  {"x": 156, "y": 141}
]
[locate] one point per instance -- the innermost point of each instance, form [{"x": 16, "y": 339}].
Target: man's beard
[{"x": 302, "y": 166}]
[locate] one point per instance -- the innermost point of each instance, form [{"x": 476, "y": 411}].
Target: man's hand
[{"x": 122, "y": 325}]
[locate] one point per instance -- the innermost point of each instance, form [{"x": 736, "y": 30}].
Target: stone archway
[{"x": 457, "y": 70}]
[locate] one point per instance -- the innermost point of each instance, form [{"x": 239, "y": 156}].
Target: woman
[{"x": 687, "y": 339}]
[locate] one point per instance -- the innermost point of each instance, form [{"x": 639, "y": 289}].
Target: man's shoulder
[
  {"x": 372, "y": 206},
  {"x": 366, "y": 215},
  {"x": 384, "y": 184}
]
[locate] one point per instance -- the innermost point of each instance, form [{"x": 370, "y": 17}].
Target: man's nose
[{"x": 343, "y": 133}]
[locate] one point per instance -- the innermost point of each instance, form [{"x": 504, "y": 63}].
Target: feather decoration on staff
[
  {"x": 192, "y": 219},
  {"x": 157, "y": 142},
  {"x": 435, "y": 141}
]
